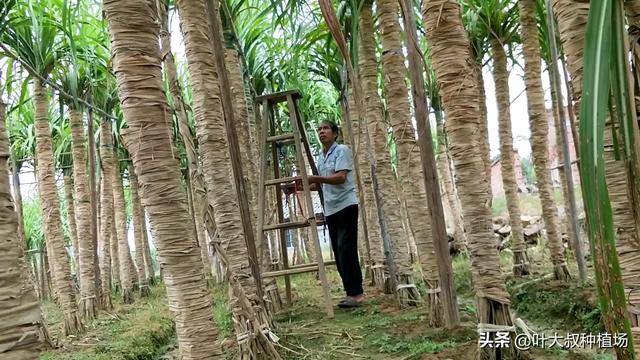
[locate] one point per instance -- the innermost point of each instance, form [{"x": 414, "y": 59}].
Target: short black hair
[{"x": 332, "y": 124}]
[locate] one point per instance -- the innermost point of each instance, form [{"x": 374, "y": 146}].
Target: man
[{"x": 340, "y": 210}]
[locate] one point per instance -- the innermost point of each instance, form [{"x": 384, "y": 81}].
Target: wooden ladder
[{"x": 269, "y": 138}]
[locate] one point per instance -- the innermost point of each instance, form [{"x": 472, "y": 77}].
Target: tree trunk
[
  {"x": 216, "y": 165},
  {"x": 19, "y": 309},
  {"x": 413, "y": 192},
  {"x": 627, "y": 238},
  {"x": 51, "y": 213},
  {"x": 242, "y": 125},
  {"x": 198, "y": 188},
  {"x": 40, "y": 270},
  {"x": 71, "y": 217},
  {"x": 94, "y": 198},
  {"x": 484, "y": 131},
  {"x": 136, "y": 59},
  {"x": 113, "y": 239},
  {"x": 148, "y": 259},
  {"x": 378, "y": 138},
  {"x": 444, "y": 167},
  {"x": 572, "y": 22},
  {"x": 361, "y": 154},
  {"x": 88, "y": 301},
  {"x": 539, "y": 136},
  {"x": 124, "y": 254},
  {"x": 106, "y": 214},
  {"x": 138, "y": 236},
  {"x": 451, "y": 58},
  {"x": 507, "y": 160},
  {"x": 45, "y": 268},
  {"x": 17, "y": 195},
  {"x": 561, "y": 169}
]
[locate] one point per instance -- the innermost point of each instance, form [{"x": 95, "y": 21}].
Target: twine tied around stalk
[
  {"x": 433, "y": 291},
  {"x": 406, "y": 286}
]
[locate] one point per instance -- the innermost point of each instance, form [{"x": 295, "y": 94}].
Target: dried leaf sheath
[
  {"x": 67, "y": 178},
  {"x": 198, "y": 188},
  {"x": 484, "y": 131},
  {"x": 212, "y": 142},
  {"x": 120, "y": 218},
  {"x": 449, "y": 190},
  {"x": 113, "y": 242},
  {"x": 507, "y": 160},
  {"x": 19, "y": 309},
  {"x": 377, "y": 132},
  {"x": 572, "y": 22},
  {"x": 539, "y": 135},
  {"x": 88, "y": 300},
  {"x": 136, "y": 58},
  {"x": 106, "y": 214},
  {"x": 407, "y": 150},
  {"x": 51, "y": 219},
  {"x": 138, "y": 236},
  {"x": 242, "y": 126},
  {"x": 374, "y": 236},
  {"x": 452, "y": 64}
]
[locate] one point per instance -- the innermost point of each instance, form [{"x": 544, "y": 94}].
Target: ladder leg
[
  {"x": 284, "y": 253},
  {"x": 312, "y": 218},
  {"x": 261, "y": 189}
]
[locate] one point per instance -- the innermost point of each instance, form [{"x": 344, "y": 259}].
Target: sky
[{"x": 519, "y": 112}]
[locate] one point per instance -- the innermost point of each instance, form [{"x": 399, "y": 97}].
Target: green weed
[
  {"x": 144, "y": 331},
  {"x": 222, "y": 310},
  {"x": 569, "y": 306}
]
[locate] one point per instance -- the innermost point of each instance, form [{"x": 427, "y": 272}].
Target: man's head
[{"x": 328, "y": 132}]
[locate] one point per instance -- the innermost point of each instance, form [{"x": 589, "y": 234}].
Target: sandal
[{"x": 349, "y": 302}]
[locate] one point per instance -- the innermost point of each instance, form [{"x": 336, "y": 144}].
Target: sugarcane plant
[{"x": 606, "y": 94}]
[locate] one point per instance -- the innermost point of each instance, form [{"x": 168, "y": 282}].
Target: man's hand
[
  {"x": 291, "y": 188},
  {"x": 314, "y": 179}
]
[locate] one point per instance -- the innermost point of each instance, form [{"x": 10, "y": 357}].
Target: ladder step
[
  {"x": 296, "y": 270},
  {"x": 282, "y": 180},
  {"x": 288, "y": 136},
  {"x": 326, "y": 263},
  {"x": 291, "y": 225}
]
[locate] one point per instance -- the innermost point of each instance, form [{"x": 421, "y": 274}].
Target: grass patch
[
  {"x": 222, "y": 310},
  {"x": 378, "y": 330},
  {"x": 565, "y": 305},
  {"x": 143, "y": 331}
]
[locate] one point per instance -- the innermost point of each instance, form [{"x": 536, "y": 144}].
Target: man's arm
[
  {"x": 297, "y": 186},
  {"x": 314, "y": 181},
  {"x": 336, "y": 179}
]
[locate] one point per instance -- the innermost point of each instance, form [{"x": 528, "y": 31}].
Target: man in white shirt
[{"x": 340, "y": 210}]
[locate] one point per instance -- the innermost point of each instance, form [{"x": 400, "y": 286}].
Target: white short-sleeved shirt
[{"x": 337, "y": 197}]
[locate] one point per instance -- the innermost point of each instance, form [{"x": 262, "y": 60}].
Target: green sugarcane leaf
[
  {"x": 620, "y": 80},
  {"x": 601, "y": 71}
]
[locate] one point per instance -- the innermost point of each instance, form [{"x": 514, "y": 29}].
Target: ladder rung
[
  {"x": 296, "y": 270},
  {"x": 288, "y": 136},
  {"x": 279, "y": 96},
  {"x": 291, "y": 225},
  {"x": 282, "y": 180},
  {"x": 326, "y": 263}
]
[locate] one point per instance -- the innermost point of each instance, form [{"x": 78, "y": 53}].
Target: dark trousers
[{"x": 343, "y": 231}]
